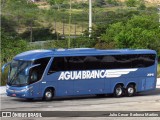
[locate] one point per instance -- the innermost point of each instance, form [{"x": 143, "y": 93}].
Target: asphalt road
[{"x": 147, "y": 101}]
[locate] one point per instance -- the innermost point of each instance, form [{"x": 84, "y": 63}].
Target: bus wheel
[
  {"x": 130, "y": 90},
  {"x": 48, "y": 94},
  {"x": 118, "y": 91}
]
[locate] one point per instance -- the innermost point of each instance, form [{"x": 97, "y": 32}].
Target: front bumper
[{"x": 23, "y": 92}]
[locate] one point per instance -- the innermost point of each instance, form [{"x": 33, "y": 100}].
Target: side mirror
[
  {"x": 28, "y": 68},
  {"x": 4, "y": 66}
]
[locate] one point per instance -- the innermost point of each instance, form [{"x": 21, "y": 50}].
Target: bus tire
[
  {"x": 48, "y": 94},
  {"x": 118, "y": 91},
  {"x": 130, "y": 90}
]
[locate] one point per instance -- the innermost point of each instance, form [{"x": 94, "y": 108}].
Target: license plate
[{"x": 14, "y": 95}]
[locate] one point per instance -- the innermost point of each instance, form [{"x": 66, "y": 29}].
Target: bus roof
[{"x": 37, "y": 54}]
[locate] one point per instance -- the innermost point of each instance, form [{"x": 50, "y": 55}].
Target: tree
[
  {"x": 8, "y": 25},
  {"x": 131, "y": 3},
  {"x": 113, "y": 2},
  {"x": 138, "y": 32},
  {"x": 100, "y": 3},
  {"x": 11, "y": 45},
  {"x": 142, "y": 5},
  {"x": 56, "y": 2},
  {"x": 22, "y": 12}
]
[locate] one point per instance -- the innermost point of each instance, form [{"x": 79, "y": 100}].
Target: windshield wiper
[
  {"x": 16, "y": 74},
  {"x": 13, "y": 78}
]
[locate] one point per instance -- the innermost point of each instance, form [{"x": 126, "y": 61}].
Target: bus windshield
[{"x": 17, "y": 75}]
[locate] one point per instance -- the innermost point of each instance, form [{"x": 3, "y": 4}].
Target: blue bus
[{"x": 81, "y": 71}]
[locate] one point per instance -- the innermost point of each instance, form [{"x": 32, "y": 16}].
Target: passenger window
[
  {"x": 108, "y": 62},
  {"x": 101, "y": 62},
  {"x": 91, "y": 62},
  {"x": 75, "y": 63},
  {"x": 58, "y": 64}
]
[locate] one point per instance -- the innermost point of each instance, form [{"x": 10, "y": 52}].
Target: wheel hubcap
[
  {"x": 48, "y": 94},
  {"x": 118, "y": 91},
  {"x": 130, "y": 90}
]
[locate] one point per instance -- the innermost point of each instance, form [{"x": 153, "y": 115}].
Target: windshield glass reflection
[{"x": 17, "y": 73}]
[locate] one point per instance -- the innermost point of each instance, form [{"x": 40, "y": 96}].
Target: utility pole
[
  {"x": 69, "y": 39},
  {"x": 90, "y": 17}
]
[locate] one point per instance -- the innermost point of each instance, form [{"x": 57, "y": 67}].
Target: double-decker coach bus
[{"x": 81, "y": 71}]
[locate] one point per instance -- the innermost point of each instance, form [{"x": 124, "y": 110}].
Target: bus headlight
[
  {"x": 26, "y": 89},
  {"x": 7, "y": 87}
]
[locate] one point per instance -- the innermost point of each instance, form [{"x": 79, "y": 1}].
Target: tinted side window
[
  {"x": 149, "y": 60},
  {"x": 75, "y": 63},
  {"x": 58, "y": 64},
  {"x": 108, "y": 62},
  {"x": 37, "y": 72},
  {"x": 91, "y": 62},
  {"x": 143, "y": 60},
  {"x": 83, "y": 62},
  {"x": 125, "y": 61},
  {"x": 101, "y": 62}
]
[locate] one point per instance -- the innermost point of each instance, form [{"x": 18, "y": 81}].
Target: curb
[
  {"x": 2, "y": 89},
  {"x": 158, "y": 81}
]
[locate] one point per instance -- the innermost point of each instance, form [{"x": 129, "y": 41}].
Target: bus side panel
[
  {"x": 141, "y": 84},
  {"x": 132, "y": 80},
  {"x": 150, "y": 83},
  {"x": 65, "y": 87},
  {"x": 146, "y": 78},
  {"x": 108, "y": 85},
  {"x": 50, "y": 81},
  {"x": 62, "y": 87},
  {"x": 147, "y": 83},
  {"x": 88, "y": 86},
  {"x": 37, "y": 89}
]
